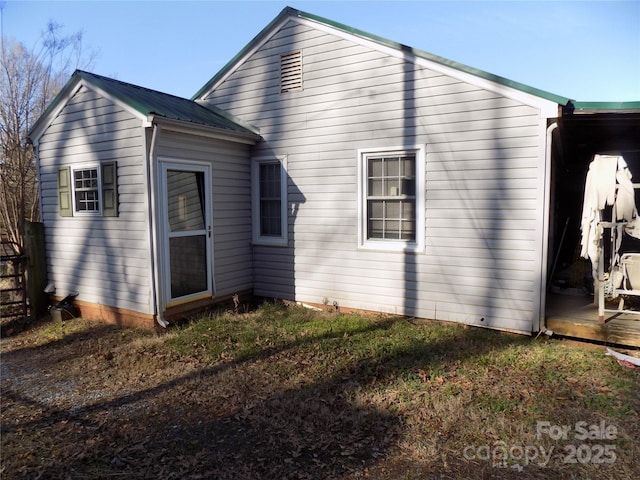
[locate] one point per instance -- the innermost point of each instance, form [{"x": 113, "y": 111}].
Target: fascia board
[
  {"x": 253, "y": 46},
  {"x": 169, "y": 124},
  {"x": 60, "y": 102},
  {"x": 53, "y": 110},
  {"x": 548, "y": 108},
  {"x": 229, "y": 116},
  {"x": 122, "y": 104}
]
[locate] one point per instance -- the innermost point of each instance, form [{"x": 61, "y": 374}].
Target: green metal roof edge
[
  {"x": 108, "y": 84},
  {"x": 51, "y": 106},
  {"x": 93, "y": 78},
  {"x": 286, "y": 12},
  {"x": 606, "y": 106},
  {"x": 443, "y": 61},
  {"x": 292, "y": 12}
]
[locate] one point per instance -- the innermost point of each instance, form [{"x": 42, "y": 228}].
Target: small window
[
  {"x": 269, "y": 182},
  {"x": 270, "y": 200},
  {"x": 392, "y": 199},
  {"x": 291, "y": 72},
  {"x": 88, "y": 189}
]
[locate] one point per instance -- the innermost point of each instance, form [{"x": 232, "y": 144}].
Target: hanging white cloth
[
  {"x": 608, "y": 183},
  {"x": 599, "y": 191},
  {"x": 625, "y": 198}
]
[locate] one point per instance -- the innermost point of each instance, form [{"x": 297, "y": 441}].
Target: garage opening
[{"x": 571, "y": 309}]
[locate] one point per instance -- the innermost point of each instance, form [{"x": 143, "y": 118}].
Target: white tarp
[{"x": 608, "y": 184}]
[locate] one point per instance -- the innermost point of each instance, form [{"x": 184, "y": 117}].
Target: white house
[{"x": 322, "y": 165}]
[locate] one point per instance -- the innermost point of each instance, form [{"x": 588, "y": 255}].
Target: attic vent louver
[{"x": 291, "y": 72}]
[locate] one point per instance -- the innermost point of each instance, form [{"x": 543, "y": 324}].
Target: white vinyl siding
[
  {"x": 105, "y": 259},
  {"x": 482, "y": 190},
  {"x": 231, "y": 203}
]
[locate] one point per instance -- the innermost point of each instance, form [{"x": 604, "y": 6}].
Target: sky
[{"x": 585, "y": 51}]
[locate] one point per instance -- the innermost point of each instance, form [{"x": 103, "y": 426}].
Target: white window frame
[
  {"x": 86, "y": 166},
  {"x": 258, "y": 238},
  {"x": 417, "y": 245}
]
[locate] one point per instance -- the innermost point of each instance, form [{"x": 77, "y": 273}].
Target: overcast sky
[{"x": 587, "y": 51}]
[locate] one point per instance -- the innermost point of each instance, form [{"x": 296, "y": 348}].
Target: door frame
[{"x": 164, "y": 262}]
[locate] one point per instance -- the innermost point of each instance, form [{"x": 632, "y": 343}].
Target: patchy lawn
[{"x": 290, "y": 393}]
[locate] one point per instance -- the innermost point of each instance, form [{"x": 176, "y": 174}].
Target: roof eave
[
  {"x": 560, "y": 100},
  {"x": 586, "y": 108},
  {"x": 52, "y": 110},
  {"x": 289, "y": 12},
  {"x": 209, "y": 131},
  {"x": 264, "y": 33}
]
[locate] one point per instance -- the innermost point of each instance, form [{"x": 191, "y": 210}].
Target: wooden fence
[{"x": 23, "y": 278}]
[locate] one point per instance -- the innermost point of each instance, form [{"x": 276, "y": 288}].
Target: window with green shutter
[{"x": 88, "y": 189}]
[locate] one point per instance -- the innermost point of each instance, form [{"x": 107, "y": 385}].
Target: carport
[{"x": 583, "y": 130}]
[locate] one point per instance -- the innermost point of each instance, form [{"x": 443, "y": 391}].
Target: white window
[
  {"x": 391, "y": 198},
  {"x": 269, "y": 210},
  {"x": 86, "y": 189}
]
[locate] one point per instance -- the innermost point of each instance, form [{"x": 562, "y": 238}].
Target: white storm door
[{"x": 187, "y": 220}]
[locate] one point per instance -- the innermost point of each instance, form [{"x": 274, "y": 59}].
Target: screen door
[{"x": 188, "y": 230}]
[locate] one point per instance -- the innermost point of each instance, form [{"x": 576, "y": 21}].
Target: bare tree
[{"x": 29, "y": 80}]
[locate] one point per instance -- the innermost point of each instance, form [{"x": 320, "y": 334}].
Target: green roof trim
[
  {"x": 152, "y": 102},
  {"x": 287, "y": 12},
  {"x": 595, "y": 107},
  {"x": 291, "y": 12},
  {"x": 441, "y": 60}
]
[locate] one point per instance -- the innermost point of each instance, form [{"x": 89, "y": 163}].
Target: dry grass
[{"x": 288, "y": 393}]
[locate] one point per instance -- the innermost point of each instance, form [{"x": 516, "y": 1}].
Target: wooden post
[{"x": 36, "y": 269}]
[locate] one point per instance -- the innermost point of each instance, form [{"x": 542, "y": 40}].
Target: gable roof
[
  {"x": 146, "y": 102},
  {"x": 289, "y": 12}
]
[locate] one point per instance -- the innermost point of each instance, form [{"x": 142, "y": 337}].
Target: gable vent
[{"x": 291, "y": 72}]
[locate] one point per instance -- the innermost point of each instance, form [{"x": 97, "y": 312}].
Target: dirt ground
[
  {"x": 97, "y": 401},
  {"x": 84, "y": 400}
]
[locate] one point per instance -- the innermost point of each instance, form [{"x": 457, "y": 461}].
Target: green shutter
[
  {"x": 64, "y": 192},
  {"x": 109, "y": 190}
]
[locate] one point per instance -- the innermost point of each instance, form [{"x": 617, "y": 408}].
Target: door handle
[{"x": 209, "y": 231}]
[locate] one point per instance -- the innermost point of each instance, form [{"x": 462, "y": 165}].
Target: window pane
[
  {"x": 408, "y": 187},
  {"x": 375, "y": 187},
  {"x": 392, "y": 229},
  {"x": 392, "y": 216},
  {"x": 270, "y": 224},
  {"x": 393, "y": 210},
  {"x": 392, "y": 187},
  {"x": 186, "y": 200},
  {"x": 376, "y": 229},
  {"x": 87, "y": 201},
  {"x": 270, "y": 180},
  {"x": 270, "y": 200},
  {"x": 85, "y": 184},
  {"x": 376, "y": 208},
  {"x": 188, "y": 265},
  {"x": 392, "y": 167},
  {"x": 375, "y": 167},
  {"x": 408, "y": 230},
  {"x": 408, "y": 166},
  {"x": 408, "y": 210}
]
